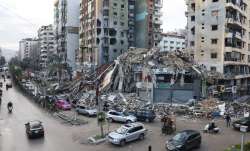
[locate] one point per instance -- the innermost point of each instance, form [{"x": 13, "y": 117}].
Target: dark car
[
  {"x": 145, "y": 115},
  {"x": 242, "y": 122},
  {"x": 34, "y": 129},
  {"x": 1, "y": 84},
  {"x": 8, "y": 76},
  {"x": 184, "y": 141}
]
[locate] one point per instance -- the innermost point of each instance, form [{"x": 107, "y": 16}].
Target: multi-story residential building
[
  {"x": 28, "y": 48},
  {"x": 66, "y": 25},
  {"x": 148, "y": 23},
  {"x": 218, "y": 37},
  {"x": 103, "y": 30},
  {"x": 47, "y": 44},
  {"x": 172, "y": 41}
]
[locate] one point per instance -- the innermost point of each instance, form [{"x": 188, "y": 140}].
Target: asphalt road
[
  {"x": 63, "y": 137},
  {"x": 58, "y": 137}
]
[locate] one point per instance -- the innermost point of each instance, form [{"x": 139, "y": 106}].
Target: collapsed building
[{"x": 158, "y": 77}]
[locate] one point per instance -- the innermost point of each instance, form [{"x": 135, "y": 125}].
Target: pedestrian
[{"x": 228, "y": 120}]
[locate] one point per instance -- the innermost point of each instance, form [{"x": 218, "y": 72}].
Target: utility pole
[{"x": 99, "y": 103}]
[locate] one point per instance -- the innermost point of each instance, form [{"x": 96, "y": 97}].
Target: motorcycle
[
  {"x": 212, "y": 129},
  {"x": 10, "y": 107}
]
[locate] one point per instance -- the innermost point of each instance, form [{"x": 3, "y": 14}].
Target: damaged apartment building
[
  {"x": 218, "y": 39},
  {"x": 158, "y": 77},
  {"x": 109, "y": 27}
]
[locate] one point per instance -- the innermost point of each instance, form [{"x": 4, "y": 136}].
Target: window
[
  {"x": 213, "y": 69},
  {"x": 122, "y": 23},
  {"x": 214, "y": 41},
  {"x": 215, "y": 0},
  {"x": 192, "y": 18},
  {"x": 115, "y": 13},
  {"x": 214, "y": 27},
  {"x": 172, "y": 42},
  {"x": 122, "y": 6},
  {"x": 122, "y": 34},
  {"x": 213, "y": 55},
  {"x": 215, "y": 13},
  {"x": 115, "y": 22},
  {"x": 191, "y": 43}
]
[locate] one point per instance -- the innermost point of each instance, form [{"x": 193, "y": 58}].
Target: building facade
[
  {"x": 218, "y": 34},
  {"x": 148, "y": 23},
  {"x": 66, "y": 25},
  {"x": 47, "y": 44},
  {"x": 103, "y": 30},
  {"x": 28, "y": 48},
  {"x": 172, "y": 42}
]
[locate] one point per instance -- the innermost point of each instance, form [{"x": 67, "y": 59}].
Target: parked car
[
  {"x": 184, "y": 141},
  {"x": 8, "y": 76},
  {"x": 120, "y": 117},
  {"x": 242, "y": 122},
  {"x": 62, "y": 104},
  {"x": 145, "y": 115},
  {"x": 127, "y": 133},
  {"x": 34, "y": 129},
  {"x": 89, "y": 111},
  {"x": 1, "y": 84}
]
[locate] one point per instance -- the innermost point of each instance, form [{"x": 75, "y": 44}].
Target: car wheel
[
  {"x": 141, "y": 137},
  {"x": 122, "y": 142},
  {"x": 128, "y": 121},
  {"x": 110, "y": 120}
]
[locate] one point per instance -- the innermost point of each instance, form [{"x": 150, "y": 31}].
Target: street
[{"x": 63, "y": 137}]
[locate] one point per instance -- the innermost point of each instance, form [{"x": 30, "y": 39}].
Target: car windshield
[
  {"x": 121, "y": 130},
  {"x": 244, "y": 120},
  {"x": 125, "y": 113},
  {"x": 180, "y": 137}
]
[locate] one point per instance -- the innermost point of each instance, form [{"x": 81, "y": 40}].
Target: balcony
[
  {"x": 157, "y": 21},
  {"x": 241, "y": 7},
  {"x": 158, "y": 5},
  {"x": 235, "y": 22},
  {"x": 157, "y": 30},
  {"x": 234, "y": 35},
  {"x": 157, "y": 13}
]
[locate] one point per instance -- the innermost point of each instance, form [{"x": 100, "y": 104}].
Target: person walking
[{"x": 228, "y": 120}]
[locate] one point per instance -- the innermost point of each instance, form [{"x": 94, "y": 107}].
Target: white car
[
  {"x": 127, "y": 133},
  {"x": 120, "y": 117},
  {"x": 89, "y": 111}
]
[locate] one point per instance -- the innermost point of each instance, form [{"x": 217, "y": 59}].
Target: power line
[{"x": 18, "y": 16}]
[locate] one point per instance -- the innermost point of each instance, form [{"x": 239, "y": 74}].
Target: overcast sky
[{"x": 21, "y": 18}]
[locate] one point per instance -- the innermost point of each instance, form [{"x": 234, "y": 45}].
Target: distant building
[
  {"x": 29, "y": 48},
  {"x": 172, "y": 42},
  {"x": 47, "y": 44},
  {"x": 66, "y": 24},
  {"x": 148, "y": 23}
]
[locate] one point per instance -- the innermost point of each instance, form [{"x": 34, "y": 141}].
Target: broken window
[
  {"x": 188, "y": 79},
  {"x": 214, "y": 27},
  {"x": 213, "y": 69},
  {"x": 113, "y": 41},
  {"x": 112, "y": 32},
  {"x": 192, "y": 18},
  {"x": 214, "y": 41},
  {"x": 213, "y": 55}
]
